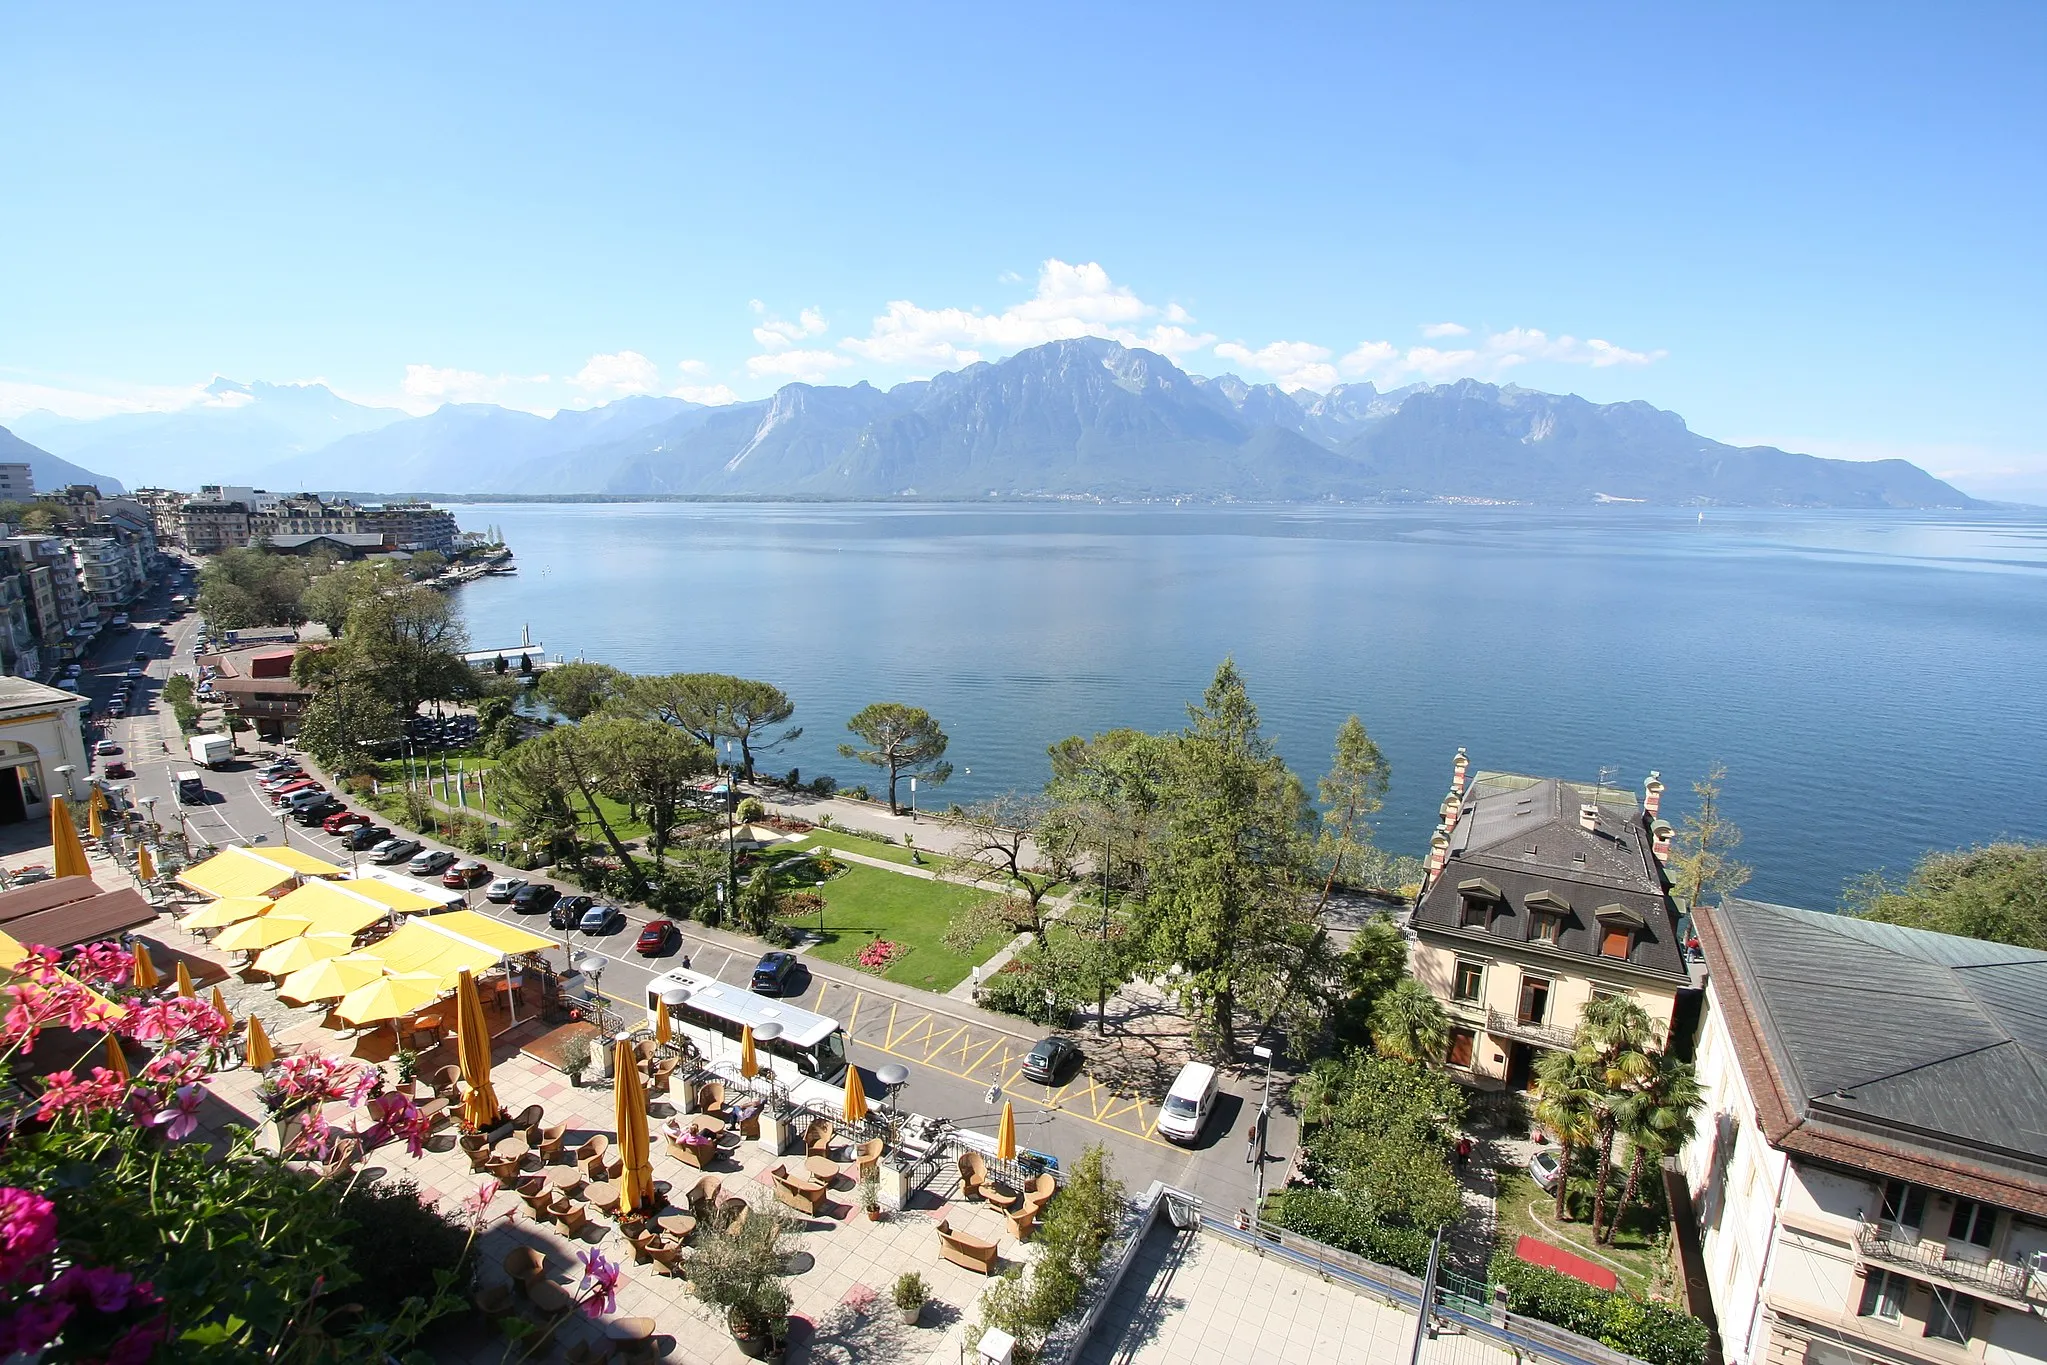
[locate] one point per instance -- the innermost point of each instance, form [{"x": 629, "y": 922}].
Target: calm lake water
[{"x": 1873, "y": 682}]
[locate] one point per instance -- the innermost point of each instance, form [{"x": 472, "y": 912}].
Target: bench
[{"x": 960, "y": 1249}]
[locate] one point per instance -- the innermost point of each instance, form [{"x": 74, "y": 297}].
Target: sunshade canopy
[
  {"x": 332, "y": 979},
  {"x": 303, "y": 951},
  {"x": 264, "y": 931},
  {"x": 389, "y": 997},
  {"x": 332, "y": 907},
  {"x": 231, "y": 910},
  {"x": 418, "y": 950},
  {"x": 393, "y": 897},
  {"x": 508, "y": 939},
  {"x": 245, "y": 872}
]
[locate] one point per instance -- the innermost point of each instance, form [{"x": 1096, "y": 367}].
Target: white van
[{"x": 1189, "y": 1103}]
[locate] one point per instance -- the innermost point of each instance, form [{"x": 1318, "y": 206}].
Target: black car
[
  {"x": 773, "y": 973},
  {"x": 318, "y": 811},
  {"x": 366, "y": 836},
  {"x": 535, "y": 897},
  {"x": 568, "y": 911},
  {"x": 1049, "y": 1059}
]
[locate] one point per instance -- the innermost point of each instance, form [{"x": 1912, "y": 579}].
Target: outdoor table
[
  {"x": 706, "y": 1122},
  {"x": 603, "y": 1194},
  {"x": 549, "y": 1297},
  {"x": 629, "y": 1329},
  {"x": 564, "y": 1178},
  {"x": 676, "y": 1225},
  {"x": 511, "y": 1149},
  {"x": 822, "y": 1168},
  {"x": 999, "y": 1199}
]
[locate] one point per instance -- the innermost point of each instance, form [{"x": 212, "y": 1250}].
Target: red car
[
  {"x": 291, "y": 789},
  {"x": 118, "y": 769},
  {"x": 465, "y": 874},
  {"x": 658, "y": 937},
  {"x": 343, "y": 820}
]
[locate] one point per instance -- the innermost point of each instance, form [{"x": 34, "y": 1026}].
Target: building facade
[
  {"x": 162, "y": 504},
  {"x": 1540, "y": 895},
  {"x": 414, "y": 526},
  {"x": 206, "y": 526},
  {"x": 1869, "y": 1177},
  {"x": 40, "y": 739},
  {"x": 17, "y": 483}
]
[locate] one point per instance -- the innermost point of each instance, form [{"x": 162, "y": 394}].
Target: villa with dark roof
[
  {"x": 1542, "y": 894},
  {"x": 1869, "y": 1177}
]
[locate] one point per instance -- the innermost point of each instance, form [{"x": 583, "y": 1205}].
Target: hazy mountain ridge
[
  {"x": 1086, "y": 418},
  {"x": 49, "y": 471}
]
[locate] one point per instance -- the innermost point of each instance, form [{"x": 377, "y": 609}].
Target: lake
[{"x": 1873, "y": 681}]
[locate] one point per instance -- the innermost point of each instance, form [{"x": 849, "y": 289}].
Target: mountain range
[
  {"x": 1083, "y": 418},
  {"x": 46, "y": 469}
]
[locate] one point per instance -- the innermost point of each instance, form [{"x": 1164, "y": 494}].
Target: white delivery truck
[{"x": 210, "y": 751}]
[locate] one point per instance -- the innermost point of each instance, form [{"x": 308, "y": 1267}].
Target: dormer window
[
  {"x": 1618, "y": 929},
  {"x": 1547, "y": 912},
  {"x": 1477, "y": 899}
]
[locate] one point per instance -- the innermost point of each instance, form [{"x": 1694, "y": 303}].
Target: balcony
[
  {"x": 2005, "y": 1281},
  {"x": 1503, "y": 1025}
]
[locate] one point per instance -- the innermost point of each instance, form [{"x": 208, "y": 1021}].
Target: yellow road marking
[
  {"x": 943, "y": 1047},
  {"x": 975, "y": 1065}
]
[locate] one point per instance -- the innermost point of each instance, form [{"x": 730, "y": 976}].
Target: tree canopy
[
  {"x": 904, "y": 740},
  {"x": 1996, "y": 892}
]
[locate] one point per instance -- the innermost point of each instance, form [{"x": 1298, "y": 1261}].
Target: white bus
[{"x": 717, "y": 1012}]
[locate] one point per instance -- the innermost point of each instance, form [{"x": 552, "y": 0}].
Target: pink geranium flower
[
  {"x": 600, "y": 1283},
  {"x": 64, "y": 1093},
  {"x": 28, "y": 1232},
  {"x": 180, "y": 1118}
]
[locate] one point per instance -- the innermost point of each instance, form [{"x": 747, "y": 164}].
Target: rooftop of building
[
  {"x": 1897, "y": 1051},
  {"x": 21, "y": 694}
]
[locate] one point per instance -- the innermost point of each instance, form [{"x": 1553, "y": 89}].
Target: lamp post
[
  {"x": 892, "y": 1077},
  {"x": 65, "y": 771},
  {"x": 675, "y": 997},
  {"x": 148, "y": 804},
  {"x": 762, "y": 1035},
  {"x": 284, "y": 827},
  {"x": 731, "y": 844},
  {"x": 1257, "y": 1153}
]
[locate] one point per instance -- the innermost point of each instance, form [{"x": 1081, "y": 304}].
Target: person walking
[{"x": 1463, "y": 1151}]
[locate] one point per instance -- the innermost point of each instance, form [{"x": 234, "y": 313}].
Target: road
[{"x": 955, "y": 1053}]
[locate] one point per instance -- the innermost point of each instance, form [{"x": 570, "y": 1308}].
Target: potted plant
[
  {"x": 408, "y": 1066},
  {"x": 576, "y": 1058},
  {"x": 910, "y": 1294},
  {"x": 739, "y": 1272},
  {"x": 869, "y": 1191}
]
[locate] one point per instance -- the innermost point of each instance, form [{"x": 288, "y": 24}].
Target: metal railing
[
  {"x": 2004, "y": 1278},
  {"x": 1185, "y": 1211},
  {"x": 1506, "y": 1025}
]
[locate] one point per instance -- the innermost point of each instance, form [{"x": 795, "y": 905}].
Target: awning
[
  {"x": 507, "y": 939},
  {"x": 84, "y": 921},
  {"x": 418, "y": 949},
  {"x": 245, "y": 872},
  {"x": 332, "y": 908},
  {"x": 392, "y": 897}
]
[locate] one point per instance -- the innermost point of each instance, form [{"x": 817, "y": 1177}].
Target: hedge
[
  {"x": 1636, "y": 1327},
  {"x": 1346, "y": 1225}
]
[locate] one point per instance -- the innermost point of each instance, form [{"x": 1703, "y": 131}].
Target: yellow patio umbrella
[
  {"x": 256, "y": 1049},
  {"x": 663, "y": 1030},
  {"x": 856, "y": 1097},
  {"x": 303, "y": 951},
  {"x": 185, "y": 981},
  {"x": 629, "y": 1097},
  {"x": 330, "y": 980},
  {"x": 145, "y": 864},
  {"x": 68, "y": 852},
  {"x": 472, "y": 1048},
  {"x": 265, "y": 931},
  {"x": 220, "y": 1003},
  {"x": 1005, "y": 1136},
  {"x": 749, "y": 1065},
  {"x": 390, "y": 997},
  {"x": 227, "y": 910},
  {"x": 146, "y": 974},
  {"x": 93, "y": 825},
  {"x": 117, "y": 1060}
]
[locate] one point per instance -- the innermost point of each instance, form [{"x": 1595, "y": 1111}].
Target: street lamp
[
  {"x": 764, "y": 1034},
  {"x": 284, "y": 827},
  {"x": 148, "y": 804},
  {"x": 892, "y": 1077},
  {"x": 1257, "y": 1152},
  {"x": 65, "y": 771}
]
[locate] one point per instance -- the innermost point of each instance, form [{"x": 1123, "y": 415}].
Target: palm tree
[
  {"x": 1614, "y": 1036},
  {"x": 1659, "y": 1116},
  {"x": 1409, "y": 1024},
  {"x": 1314, "y": 1094},
  {"x": 1566, "y": 1105}
]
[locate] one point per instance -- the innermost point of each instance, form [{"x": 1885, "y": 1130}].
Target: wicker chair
[
  {"x": 711, "y": 1098},
  {"x": 477, "y": 1148},
  {"x": 973, "y": 1175},
  {"x": 818, "y": 1138},
  {"x": 593, "y": 1151},
  {"x": 550, "y": 1144},
  {"x": 867, "y": 1157}
]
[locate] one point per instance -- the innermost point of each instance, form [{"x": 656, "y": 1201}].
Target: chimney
[
  {"x": 1457, "y": 772},
  {"x": 1439, "y": 853},
  {"x": 1450, "y": 810},
  {"x": 1652, "y": 794},
  {"x": 1588, "y": 817},
  {"x": 1660, "y": 832}
]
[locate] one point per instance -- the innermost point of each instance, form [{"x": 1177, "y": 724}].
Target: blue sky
[{"x": 1819, "y": 229}]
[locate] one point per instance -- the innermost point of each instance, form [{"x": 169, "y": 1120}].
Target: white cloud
[
  {"x": 431, "y": 386},
  {"x": 1435, "y": 330},
  {"x": 90, "y": 399},
  {"x": 618, "y": 375},
  {"x": 691, "y": 366},
  {"x": 711, "y": 395},
  {"x": 1071, "y": 301},
  {"x": 1492, "y": 355},
  {"x": 804, "y": 366},
  {"x": 1290, "y": 364},
  {"x": 777, "y": 335}
]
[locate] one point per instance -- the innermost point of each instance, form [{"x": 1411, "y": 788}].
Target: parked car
[
  {"x": 1048, "y": 1059},
  {"x": 534, "y": 897},
  {"x": 285, "y": 794},
  {"x": 105, "y": 747},
  {"x": 430, "y": 862},
  {"x": 1188, "y": 1104},
  {"x": 366, "y": 836},
  {"x": 316, "y": 812},
  {"x": 773, "y": 973},
  {"x": 1545, "y": 1168},
  {"x": 303, "y": 800},
  {"x": 394, "y": 851},
  {"x": 568, "y": 911},
  {"x": 660, "y": 936},
  {"x": 465, "y": 874},
  {"x": 119, "y": 769},
  {"x": 272, "y": 785},
  {"x": 602, "y": 919},
  {"x": 340, "y": 822},
  {"x": 503, "y": 889}
]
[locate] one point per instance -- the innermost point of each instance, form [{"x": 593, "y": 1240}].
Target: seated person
[{"x": 748, "y": 1109}]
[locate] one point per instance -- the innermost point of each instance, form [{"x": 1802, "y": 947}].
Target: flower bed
[{"x": 879, "y": 956}]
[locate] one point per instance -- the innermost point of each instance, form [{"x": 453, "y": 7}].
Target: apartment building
[
  {"x": 17, "y": 483},
  {"x": 1540, "y": 895},
  {"x": 414, "y": 526},
  {"x": 207, "y": 526},
  {"x": 1870, "y": 1174},
  {"x": 162, "y": 504}
]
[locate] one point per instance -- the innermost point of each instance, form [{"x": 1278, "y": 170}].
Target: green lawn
[
  {"x": 866, "y": 848},
  {"x": 1629, "y": 1255},
  {"x": 866, "y": 903}
]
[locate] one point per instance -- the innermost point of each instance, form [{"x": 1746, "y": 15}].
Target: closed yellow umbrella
[
  {"x": 303, "y": 951},
  {"x": 332, "y": 979},
  {"x": 185, "y": 981},
  {"x": 629, "y": 1097},
  {"x": 145, "y": 864},
  {"x": 265, "y": 931},
  {"x": 389, "y": 997},
  {"x": 220, "y": 1003},
  {"x": 117, "y": 1060},
  {"x": 472, "y": 1047},
  {"x": 68, "y": 854},
  {"x": 663, "y": 1030},
  {"x": 256, "y": 1049},
  {"x": 1005, "y": 1136},
  {"x": 749, "y": 1065},
  {"x": 856, "y": 1097},
  {"x": 228, "y": 910},
  {"x": 146, "y": 974},
  {"x": 93, "y": 825}
]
